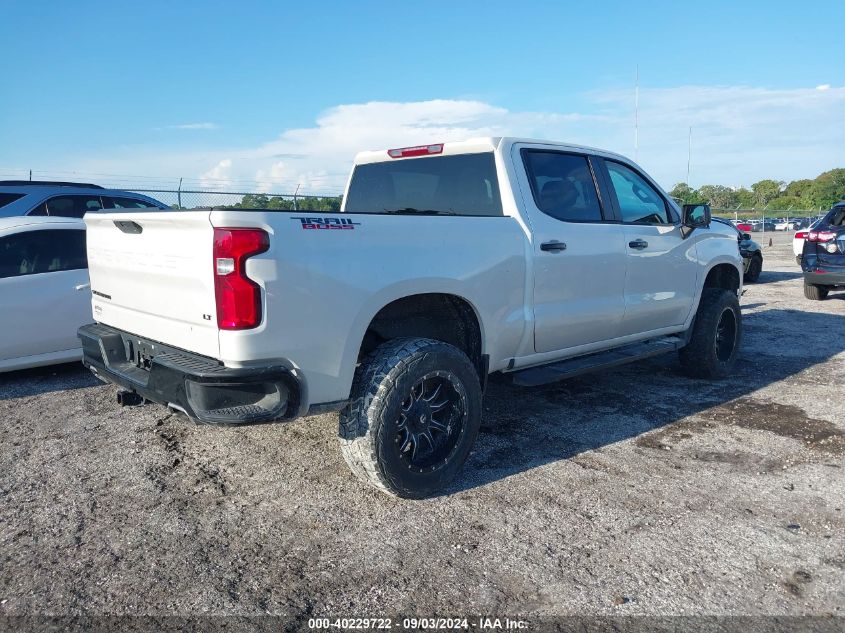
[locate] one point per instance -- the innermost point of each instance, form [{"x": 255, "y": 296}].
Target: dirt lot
[{"x": 637, "y": 491}]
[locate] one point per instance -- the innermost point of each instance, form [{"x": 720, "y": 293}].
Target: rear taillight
[
  {"x": 238, "y": 297},
  {"x": 801, "y": 235},
  {"x": 821, "y": 236}
]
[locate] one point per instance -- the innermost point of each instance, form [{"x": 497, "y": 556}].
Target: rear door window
[
  {"x": 465, "y": 184},
  {"x": 563, "y": 185},
  {"x": 73, "y": 206},
  {"x": 42, "y": 251},
  {"x": 113, "y": 202}
]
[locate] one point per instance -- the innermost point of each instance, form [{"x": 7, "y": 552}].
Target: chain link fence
[
  {"x": 770, "y": 220},
  {"x": 760, "y": 222},
  {"x": 193, "y": 193},
  {"x": 196, "y": 199}
]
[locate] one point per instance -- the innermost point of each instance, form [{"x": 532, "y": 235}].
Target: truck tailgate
[{"x": 151, "y": 275}]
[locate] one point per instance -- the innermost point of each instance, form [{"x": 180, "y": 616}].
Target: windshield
[{"x": 464, "y": 184}]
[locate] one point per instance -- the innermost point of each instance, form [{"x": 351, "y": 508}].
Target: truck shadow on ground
[
  {"x": 39, "y": 380},
  {"x": 523, "y": 428},
  {"x": 773, "y": 276}
]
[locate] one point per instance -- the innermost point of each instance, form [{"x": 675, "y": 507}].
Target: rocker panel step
[{"x": 560, "y": 370}]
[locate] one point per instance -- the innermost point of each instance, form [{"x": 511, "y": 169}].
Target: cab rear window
[{"x": 465, "y": 184}]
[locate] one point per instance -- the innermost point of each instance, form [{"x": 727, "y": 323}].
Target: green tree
[
  {"x": 784, "y": 203},
  {"x": 718, "y": 196},
  {"x": 828, "y": 188},
  {"x": 684, "y": 193},
  {"x": 253, "y": 201},
  {"x": 766, "y": 190},
  {"x": 280, "y": 203},
  {"x": 744, "y": 198},
  {"x": 798, "y": 188}
]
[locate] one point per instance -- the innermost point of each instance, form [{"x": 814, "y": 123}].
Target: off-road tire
[
  {"x": 699, "y": 357},
  {"x": 368, "y": 425},
  {"x": 754, "y": 269},
  {"x": 815, "y": 293}
]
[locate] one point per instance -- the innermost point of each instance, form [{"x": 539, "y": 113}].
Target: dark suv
[
  {"x": 823, "y": 260},
  {"x": 752, "y": 254},
  {"x": 66, "y": 199}
]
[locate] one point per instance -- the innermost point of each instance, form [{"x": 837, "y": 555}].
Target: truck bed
[{"x": 323, "y": 279}]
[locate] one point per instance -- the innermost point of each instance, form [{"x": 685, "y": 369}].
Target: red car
[{"x": 745, "y": 227}]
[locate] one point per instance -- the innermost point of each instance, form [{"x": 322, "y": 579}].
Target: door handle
[
  {"x": 638, "y": 244},
  {"x": 554, "y": 246},
  {"x": 82, "y": 286}
]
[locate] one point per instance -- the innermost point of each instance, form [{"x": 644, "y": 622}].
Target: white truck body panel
[
  {"x": 322, "y": 288},
  {"x": 159, "y": 282},
  {"x": 481, "y": 259}
]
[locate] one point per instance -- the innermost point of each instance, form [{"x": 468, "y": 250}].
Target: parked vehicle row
[
  {"x": 245, "y": 316},
  {"x": 792, "y": 224},
  {"x": 775, "y": 224}
]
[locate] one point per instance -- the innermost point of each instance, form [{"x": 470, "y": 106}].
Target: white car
[
  {"x": 786, "y": 225},
  {"x": 44, "y": 291},
  {"x": 798, "y": 240}
]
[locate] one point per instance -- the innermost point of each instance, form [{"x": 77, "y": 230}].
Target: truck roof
[{"x": 477, "y": 145}]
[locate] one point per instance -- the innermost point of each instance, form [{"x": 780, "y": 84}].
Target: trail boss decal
[{"x": 327, "y": 223}]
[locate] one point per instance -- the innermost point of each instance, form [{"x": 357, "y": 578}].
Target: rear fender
[{"x": 387, "y": 296}]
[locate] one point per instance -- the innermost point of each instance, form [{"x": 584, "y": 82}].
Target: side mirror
[
  {"x": 746, "y": 236},
  {"x": 696, "y": 216}
]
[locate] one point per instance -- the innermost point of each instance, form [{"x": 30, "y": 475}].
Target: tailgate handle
[
  {"x": 127, "y": 226},
  {"x": 554, "y": 246}
]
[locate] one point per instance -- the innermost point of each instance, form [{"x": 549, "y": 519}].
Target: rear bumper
[
  {"x": 202, "y": 387},
  {"x": 821, "y": 274},
  {"x": 825, "y": 279}
]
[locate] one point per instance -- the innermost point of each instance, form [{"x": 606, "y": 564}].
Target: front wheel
[
  {"x": 754, "y": 269},
  {"x": 413, "y": 416},
  {"x": 716, "y": 335},
  {"x": 815, "y": 293}
]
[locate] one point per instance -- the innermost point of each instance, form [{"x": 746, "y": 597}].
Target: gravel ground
[{"x": 637, "y": 491}]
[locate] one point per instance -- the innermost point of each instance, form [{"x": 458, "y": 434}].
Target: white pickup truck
[{"x": 447, "y": 262}]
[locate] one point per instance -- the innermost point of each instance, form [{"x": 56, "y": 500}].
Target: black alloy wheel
[
  {"x": 725, "y": 341},
  {"x": 431, "y": 420}
]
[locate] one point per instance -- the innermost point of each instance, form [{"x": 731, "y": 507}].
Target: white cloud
[
  {"x": 823, "y": 87},
  {"x": 740, "y": 134},
  {"x": 318, "y": 158},
  {"x": 219, "y": 176}
]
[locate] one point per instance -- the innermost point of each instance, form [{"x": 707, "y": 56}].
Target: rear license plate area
[{"x": 139, "y": 353}]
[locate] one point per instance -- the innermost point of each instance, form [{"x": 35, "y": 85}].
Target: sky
[{"x": 268, "y": 96}]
